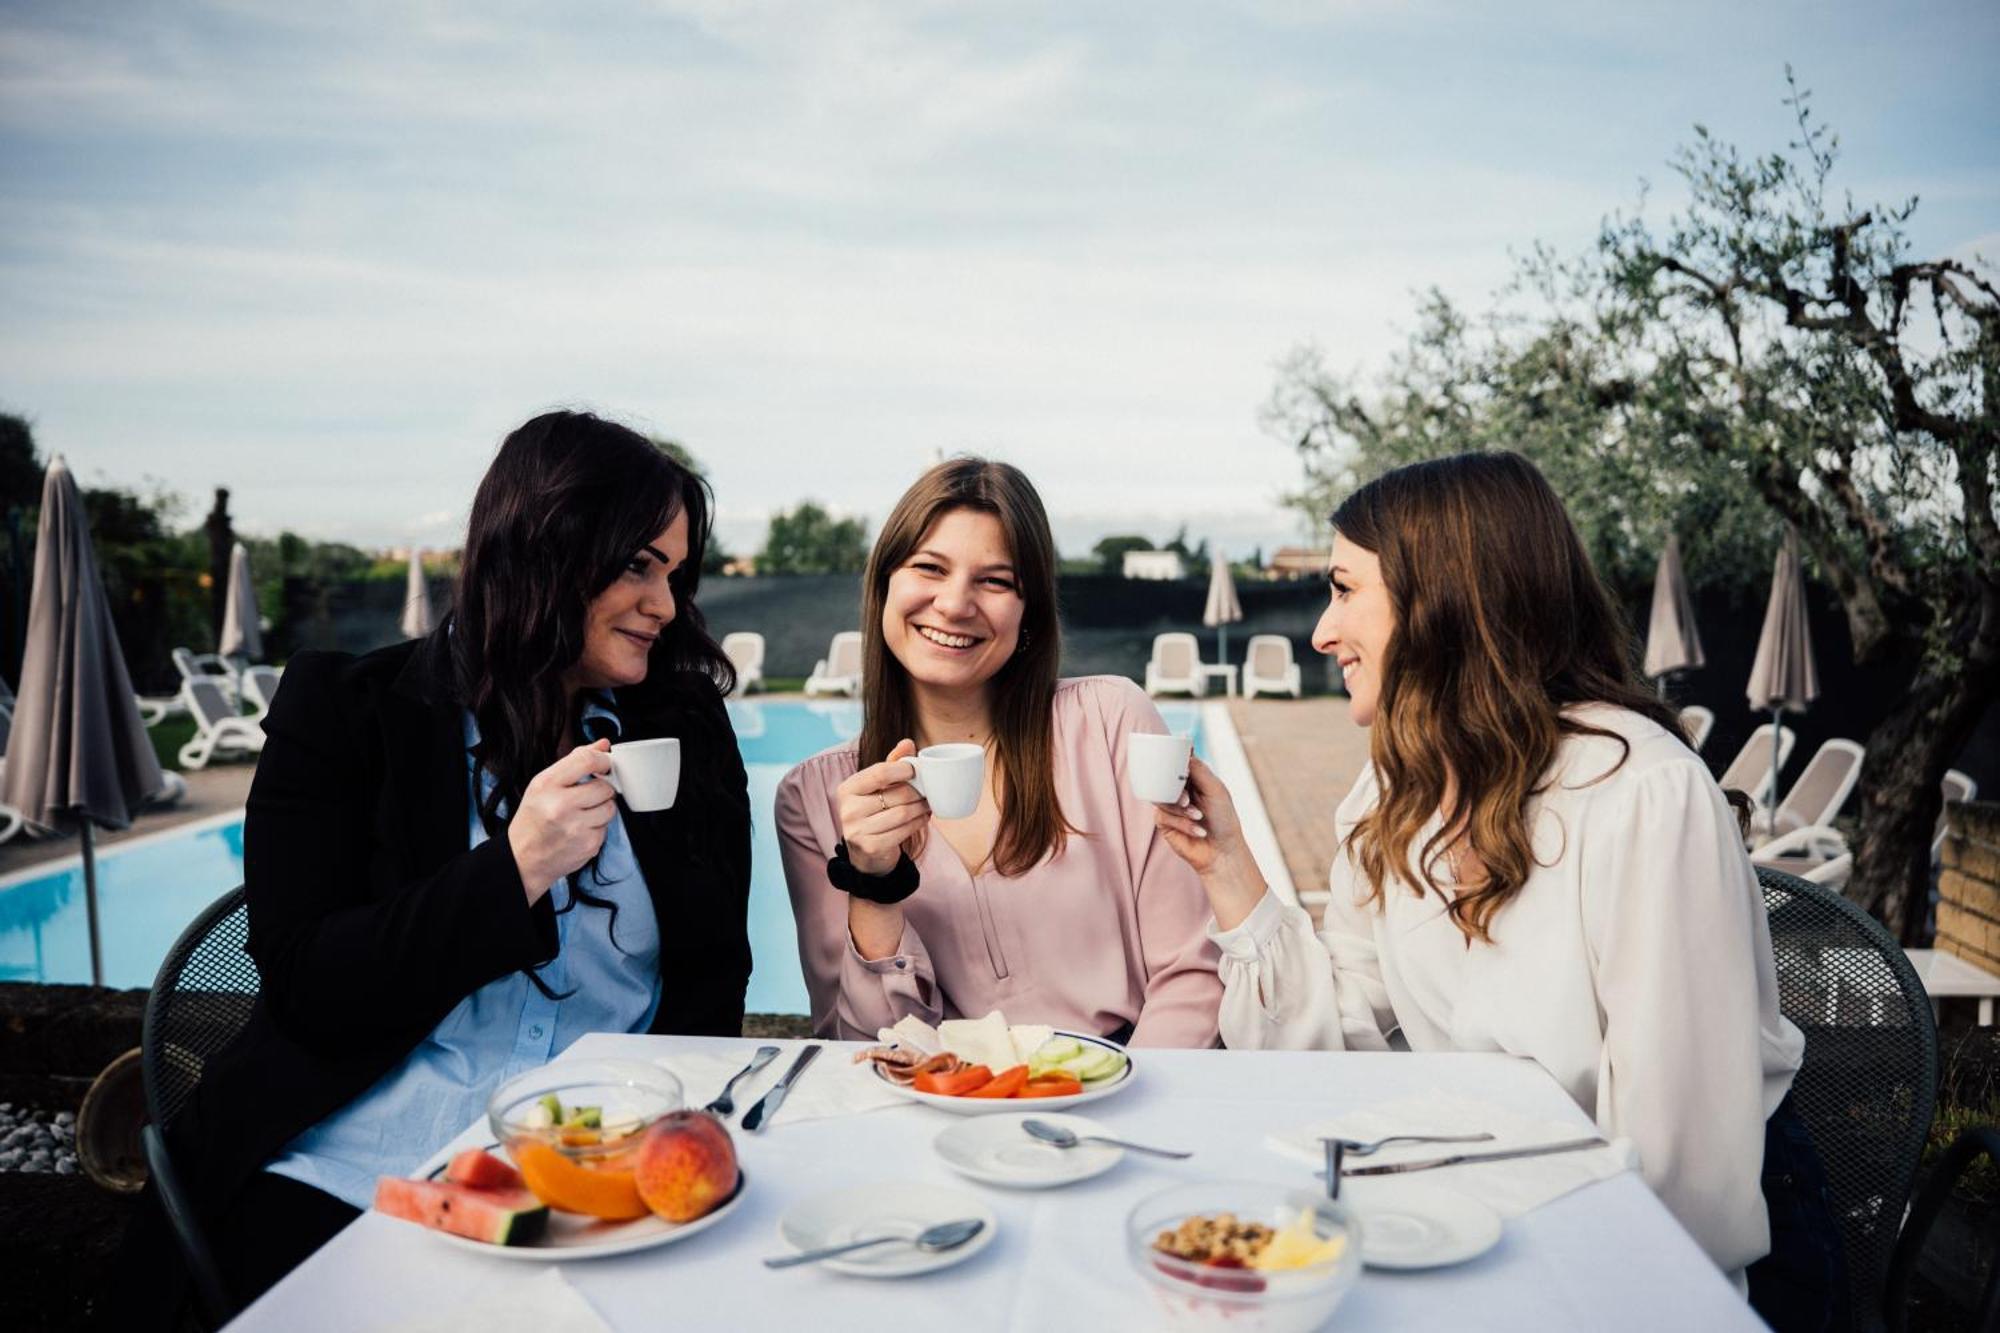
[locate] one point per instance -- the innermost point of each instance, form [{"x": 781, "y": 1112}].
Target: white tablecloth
[{"x": 1607, "y": 1256}]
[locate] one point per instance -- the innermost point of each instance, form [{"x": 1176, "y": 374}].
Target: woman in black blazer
[{"x": 433, "y": 872}]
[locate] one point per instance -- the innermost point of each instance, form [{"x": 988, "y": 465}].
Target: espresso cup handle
[{"x": 917, "y": 776}]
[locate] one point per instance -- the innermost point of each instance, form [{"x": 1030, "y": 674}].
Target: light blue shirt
[{"x": 502, "y": 1029}]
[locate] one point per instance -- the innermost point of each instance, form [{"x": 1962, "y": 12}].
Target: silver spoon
[
  {"x": 724, "y": 1104},
  {"x": 1066, "y": 1138},
  {"x": 943, "y": 1236},
  {"x": 1356, "y": 1148}
]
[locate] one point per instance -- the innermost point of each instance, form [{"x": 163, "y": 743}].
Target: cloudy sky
[{"x": 328, "y": 255}]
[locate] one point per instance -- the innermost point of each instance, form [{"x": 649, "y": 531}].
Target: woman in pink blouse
[{"x": 1055, "y": 900}]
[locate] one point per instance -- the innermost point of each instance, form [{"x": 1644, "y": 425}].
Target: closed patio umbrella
[
  {"x": 1784, "y": 678},
  {"x": 241, "y": 637},
  {"x": 1222, "y": 609},
  {"x": 1672, "y": 641},
  {"x": 78, "y": 755},
  {"x": 416, "y": 599}
]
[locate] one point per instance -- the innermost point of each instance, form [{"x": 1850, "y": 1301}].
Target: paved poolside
[{"x": 211, "y": 791}]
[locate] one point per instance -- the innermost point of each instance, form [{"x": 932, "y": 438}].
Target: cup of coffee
[
  {"x": 1157, "y": 766},
  {"x": 647, "y": 773},
  {"x": 950, "y": 777}
]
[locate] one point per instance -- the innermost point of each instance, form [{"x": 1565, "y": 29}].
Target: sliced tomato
[
  {"x": 955, "y": 1085},
  {"x": 1050, "y": 1085},
  {"x": 1005, "y": 1083}
]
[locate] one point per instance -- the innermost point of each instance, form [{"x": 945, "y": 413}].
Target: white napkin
[
  {"x": 832, "y": 1084},
  {"x": 544, "y": 1303},
  {"x": 1509, "y": 1188}
]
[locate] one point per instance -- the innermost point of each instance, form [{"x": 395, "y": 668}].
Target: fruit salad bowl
[{"x": 574, "y": 1130}]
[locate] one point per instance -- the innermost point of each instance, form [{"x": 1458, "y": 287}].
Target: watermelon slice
[
  {"x": 496, "y": 1216},
  {"x": 482, "y": 1171}
]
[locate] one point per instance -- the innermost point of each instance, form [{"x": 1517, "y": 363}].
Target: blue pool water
[{"x": 149, "y": 890}]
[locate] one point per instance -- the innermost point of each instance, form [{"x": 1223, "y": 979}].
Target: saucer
[
  {"x": 995, "y": 1150},
  {"x": 891, "y": 1208},
  {"x": 1405, "y": 1225}
]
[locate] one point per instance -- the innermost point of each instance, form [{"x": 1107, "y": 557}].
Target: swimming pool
[{"x": 148, "y": 889}]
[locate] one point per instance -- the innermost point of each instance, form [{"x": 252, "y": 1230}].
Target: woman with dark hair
[
  {"x": 1534, "y": 861},
  {"x": 441, "y": 892},
  {"x": 1054, "y": 900}
]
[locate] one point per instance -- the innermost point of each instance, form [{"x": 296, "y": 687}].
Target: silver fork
[
  {"x": 1356, "y": 1148},
  {"x": 724, "y": 1104}
]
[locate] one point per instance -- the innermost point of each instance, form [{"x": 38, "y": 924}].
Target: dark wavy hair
[
  {"x": 1501, "y": 623},
  {"x": 567, "y": 502}
]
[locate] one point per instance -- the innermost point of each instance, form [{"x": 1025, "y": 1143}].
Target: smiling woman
[{"x": 1045, "y": 891}]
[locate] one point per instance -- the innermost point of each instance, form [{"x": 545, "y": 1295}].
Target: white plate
[
  {"x": 997, "y": 1151},
  {"x": 1407, "y": 1225},
  {"x": 575, "y": 1236},
  {"x": 1001, "y": 1105},
  {"x": 888, "y": 1209}
]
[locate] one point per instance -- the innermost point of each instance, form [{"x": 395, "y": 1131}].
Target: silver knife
[
  {"x": 754, "y": 1118},
  {"x": 1539, "y": 1150}
]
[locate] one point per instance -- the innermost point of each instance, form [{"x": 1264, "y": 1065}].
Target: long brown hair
[
  {"x": 1501, "y": 623},
  {"x": 1024, "y": 690}
]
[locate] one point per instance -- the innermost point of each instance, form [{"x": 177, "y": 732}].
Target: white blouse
[{"x": 1634, "y": 965}]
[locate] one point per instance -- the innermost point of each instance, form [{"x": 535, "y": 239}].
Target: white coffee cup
[
  {"x": 951, "y": 777},
  {"x": 647, "y": 773},
  {"x": 1157, "y": 766}
]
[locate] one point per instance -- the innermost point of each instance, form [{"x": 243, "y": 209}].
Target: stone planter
[{"x": 1968, "y": 916}]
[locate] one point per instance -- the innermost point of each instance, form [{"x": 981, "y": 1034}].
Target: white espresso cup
[
  {"x": 1157, "y": 766},
  {"x": 951, "y": 777},
  {"x": 647, "y": 773}
]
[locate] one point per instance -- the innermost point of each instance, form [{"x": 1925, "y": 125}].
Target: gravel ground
[{"x": 37, "y": 1141}]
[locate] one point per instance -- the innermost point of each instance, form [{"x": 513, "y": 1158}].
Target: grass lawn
[{"x": 169, "y": 736}]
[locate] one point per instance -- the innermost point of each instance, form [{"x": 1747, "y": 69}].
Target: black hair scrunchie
[{"x": 887, "y": 889}]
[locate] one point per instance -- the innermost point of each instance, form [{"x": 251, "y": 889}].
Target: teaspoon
[
  {"x": 1066, "y": 1138},
  {"x": 943, "y": 1236}
]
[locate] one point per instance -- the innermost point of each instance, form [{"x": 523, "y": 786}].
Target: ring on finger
[{"x": 883, "y": 797}]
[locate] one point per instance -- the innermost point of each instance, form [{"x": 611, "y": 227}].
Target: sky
[{"x": 328, "y": 255}]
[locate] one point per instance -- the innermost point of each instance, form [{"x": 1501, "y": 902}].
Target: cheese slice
[
  {"x": 1028, "y": 1038},
  {"x": 914, "y": 1033},
  {"x": 980, "y": 1041}
]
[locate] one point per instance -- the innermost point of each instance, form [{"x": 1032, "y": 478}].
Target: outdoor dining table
[{"x": 1607, "y": 1255}]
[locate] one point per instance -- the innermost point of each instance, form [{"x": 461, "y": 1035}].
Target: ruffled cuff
[{"x": 1253, "y": 935}]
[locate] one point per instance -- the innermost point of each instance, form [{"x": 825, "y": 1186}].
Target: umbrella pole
[
  {"x": 90, "y": 906},
  {"x": 1776, "y": 725}
]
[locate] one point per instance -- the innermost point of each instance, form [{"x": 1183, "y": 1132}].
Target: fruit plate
[
  {"x": 575, "y": 1236},
  {"x": 999, "y": 1105}
]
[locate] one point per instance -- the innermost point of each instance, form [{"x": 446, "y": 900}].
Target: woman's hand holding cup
[
  {"x": 562, "y": 818},
  {"x": 1204, "y": 831},
  {"x": 880, "y": 811}
]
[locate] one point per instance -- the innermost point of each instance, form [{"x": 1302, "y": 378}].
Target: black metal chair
[
  {"x": 1869, "y": 1082},
  {"x": 1983, "y": 1139},
  {"x": 200, "y": 1001}
]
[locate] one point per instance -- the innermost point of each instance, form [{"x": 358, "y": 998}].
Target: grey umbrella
[
  {"x": 1672, "y": 641},
  {"x": 78, "y": 755},
  {"x": 242, "y": 638},
  {"x": 416, "y": 599},
  {"x": 1222, "y": 608},
  {"x": 1784, "y": 678}
]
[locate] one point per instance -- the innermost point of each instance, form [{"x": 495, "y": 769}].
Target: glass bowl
[
  {"x": 1197, "y": 1295},
  {"x": 605, "y": 1106}
]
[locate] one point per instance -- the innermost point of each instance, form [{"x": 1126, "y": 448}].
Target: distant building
[
  {"x": 741, "y": 566},
  {"x": 1297, "y": 562},
  {"x": 1154, "y": 565}
]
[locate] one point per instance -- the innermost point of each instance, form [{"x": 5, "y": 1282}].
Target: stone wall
[{"x": 1968, "y": 914}]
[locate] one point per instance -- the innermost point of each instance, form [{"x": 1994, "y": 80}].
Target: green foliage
[
  {"x": 1110, "y": 552},
  {"x": 808, "y": 540},
  {"x": 20, "y": 465}
]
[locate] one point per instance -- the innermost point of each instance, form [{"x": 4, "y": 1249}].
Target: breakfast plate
[
  {"x": 576, "y": 1236},
  {"x": 996, "y": 1150},
  {"x": 890, "y": 1208},
  {"x": 1405, "y": 1225},
  {"x": 1016, "y": 1105}
]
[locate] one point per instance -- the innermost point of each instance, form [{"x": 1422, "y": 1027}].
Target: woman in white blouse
[{"x": 1533, "y": 862}]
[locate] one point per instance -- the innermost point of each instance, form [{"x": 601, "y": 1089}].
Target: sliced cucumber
[
  {"x": 1103, "y": 1065},
  {"x": 1056, "y": 1050}
]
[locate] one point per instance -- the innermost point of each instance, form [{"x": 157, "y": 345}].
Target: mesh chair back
[
  {"x": 1270, "y": 655},
  {"x": 1174, "y": 655},
  {"x": 843, "y": 657},
  {"x": 201, "y": 999},
  {"x": 1869, "y": 1082},
  {"x": 1750, "y": 772},
  {"x": 1822, "y": 789},
  {"x": 208, "y": 703}
]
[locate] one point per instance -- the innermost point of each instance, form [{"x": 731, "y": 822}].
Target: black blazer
[{"x": 370, "y": 920}]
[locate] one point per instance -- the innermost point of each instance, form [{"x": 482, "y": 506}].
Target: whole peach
[{"x": 686, "y": 1166}]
